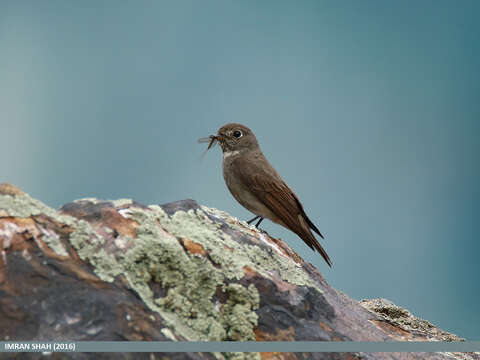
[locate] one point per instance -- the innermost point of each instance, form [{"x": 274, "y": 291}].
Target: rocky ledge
[{"x": 117, "y": 270}]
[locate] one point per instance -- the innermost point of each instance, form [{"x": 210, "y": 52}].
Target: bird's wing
[{"x": 269, "y": 188}]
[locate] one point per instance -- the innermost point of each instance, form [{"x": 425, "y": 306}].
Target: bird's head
[{"x": 233, "y": 137}]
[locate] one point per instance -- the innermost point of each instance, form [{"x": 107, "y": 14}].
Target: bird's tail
[
  {"x": 322, "y": 251},
  {"x": 310, "y": 240}
]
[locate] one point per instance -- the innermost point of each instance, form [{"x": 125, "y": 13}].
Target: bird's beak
[{"x": 219, "y": 138}]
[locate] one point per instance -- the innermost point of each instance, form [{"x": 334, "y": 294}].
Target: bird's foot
[
  {"x": 249, "y": 222},
  {"x": 263, "y": 232}
]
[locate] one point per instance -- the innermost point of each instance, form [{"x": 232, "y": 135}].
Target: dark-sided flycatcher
[{"x": 258, "y": 187}]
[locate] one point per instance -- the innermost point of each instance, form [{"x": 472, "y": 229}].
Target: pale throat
[{"x": 229, "y": 153}]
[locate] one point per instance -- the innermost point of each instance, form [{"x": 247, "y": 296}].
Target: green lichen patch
[
  {"x": 156, "y": 255},
  {"x": 403, "y": 318},
  {"x": 242, "y": 356},
  {"x": 198, "y": 226},
  {"x": 54, "y": 243},
  {"x": 237, "y": 313},
  {"x": 90, "y": 200},
  {"x": 23, "y": 206},
  {"x": 122, "y": 202},
  {"x": 83, "y": 237},
  {"x": 189, "y": 282}
]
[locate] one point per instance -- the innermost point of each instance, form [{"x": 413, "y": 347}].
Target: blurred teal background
[{"x": 370, "y": 110}]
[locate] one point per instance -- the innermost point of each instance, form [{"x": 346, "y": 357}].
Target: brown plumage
[{"x": 259, "y": 188}]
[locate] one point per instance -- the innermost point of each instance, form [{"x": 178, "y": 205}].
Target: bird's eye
[{"x": 237, "y": 133}]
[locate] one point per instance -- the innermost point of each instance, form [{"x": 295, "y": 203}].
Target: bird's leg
[
  {"x": 252, "y": 220},
  {"x": 259, "y": 221}
]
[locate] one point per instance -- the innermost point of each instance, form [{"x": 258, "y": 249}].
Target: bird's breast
[{"x": 241, "y": 192}]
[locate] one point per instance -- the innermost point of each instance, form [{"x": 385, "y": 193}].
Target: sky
[{"x": 369, "y": 110}]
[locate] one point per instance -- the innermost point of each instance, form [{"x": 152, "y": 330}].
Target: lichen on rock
[
  {"x": 179, "y": 271},
  {"x": 157, "y": 256},
  {"x": 401, "y": 317},
  {"x": 21, "y": 205}
]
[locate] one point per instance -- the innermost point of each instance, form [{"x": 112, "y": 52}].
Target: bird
[{"x": 257, "y": 186}]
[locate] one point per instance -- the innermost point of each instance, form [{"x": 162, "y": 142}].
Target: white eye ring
[{"x": 237, "y": 134}]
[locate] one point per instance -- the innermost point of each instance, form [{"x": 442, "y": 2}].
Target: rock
[
  {"x": 118, "y": 270},
  {"x": 406, "y": 326}
]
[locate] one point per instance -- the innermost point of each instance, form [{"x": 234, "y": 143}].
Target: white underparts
[{"x": 230, "y": 153}]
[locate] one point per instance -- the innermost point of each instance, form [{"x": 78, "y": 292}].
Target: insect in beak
[{"x": 212, "y": 141}]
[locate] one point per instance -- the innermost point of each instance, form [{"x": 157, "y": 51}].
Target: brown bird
[{"x": 256, "y": 185}]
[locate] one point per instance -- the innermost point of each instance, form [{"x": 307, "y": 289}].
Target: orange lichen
[
  {"x": 278, "y": 356},
  {"x": 249, "y": 272},
  {"x": 281, "y": 335},
  {"x": 124, "y": 226},
  {"x": 325, "y": 326},
  {"x": 394, "y": 331},
  {"x": 193, "y": 247}
]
